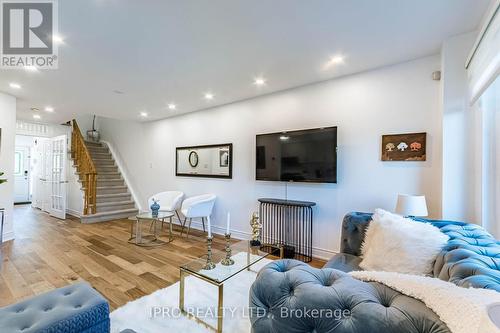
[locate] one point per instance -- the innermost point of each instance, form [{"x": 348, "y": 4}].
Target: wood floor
[{"x": 49, "y": 253}]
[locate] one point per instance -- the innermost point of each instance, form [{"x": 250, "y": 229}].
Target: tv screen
[{"x": 298, "y": 156}]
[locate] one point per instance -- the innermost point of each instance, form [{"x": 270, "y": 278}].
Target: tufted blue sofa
[
  {"x": 75, "y": 308},
  {"x": 289, "y": 296}
]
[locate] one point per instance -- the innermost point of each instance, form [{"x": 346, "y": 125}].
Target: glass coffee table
[
  {"x": 151, "y": 239},
  {"x": 244, "y": 257}
]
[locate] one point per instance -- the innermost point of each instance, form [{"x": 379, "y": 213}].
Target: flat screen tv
[{"x": 298, "y": 156}]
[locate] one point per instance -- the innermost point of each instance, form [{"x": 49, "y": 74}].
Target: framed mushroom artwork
[{"x": 404, "y": 147}]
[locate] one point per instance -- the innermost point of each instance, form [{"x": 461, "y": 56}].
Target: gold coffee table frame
[
  {"x": 195, "y": 268},
  {"x": 153, "y": 240}
]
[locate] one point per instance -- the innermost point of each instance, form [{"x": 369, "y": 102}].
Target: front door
[
  {"x": 58, "y": 182},
  {"x": 22, "y": 175}
]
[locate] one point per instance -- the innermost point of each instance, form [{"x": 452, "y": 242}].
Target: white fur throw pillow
[{"x": 396, "y": 244}]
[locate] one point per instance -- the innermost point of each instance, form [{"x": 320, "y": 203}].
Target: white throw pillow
[{"x": 396, "y": 244}]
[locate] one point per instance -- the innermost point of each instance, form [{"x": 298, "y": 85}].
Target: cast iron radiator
[{"x": 288, "y": 223}]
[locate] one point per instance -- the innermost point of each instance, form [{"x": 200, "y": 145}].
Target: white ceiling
[{"x": 158, "y": 52}]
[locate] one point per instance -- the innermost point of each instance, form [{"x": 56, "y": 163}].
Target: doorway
[
  {"x": 22, "y": 192},
  {"x": 22, "y": 170},
  {"x": 40, "y": 173}
]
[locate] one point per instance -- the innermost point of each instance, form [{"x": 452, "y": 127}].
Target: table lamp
[{"x": 411, "y": 205}]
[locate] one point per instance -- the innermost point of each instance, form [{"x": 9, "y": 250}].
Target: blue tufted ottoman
[{"x": 72, "y": 309}]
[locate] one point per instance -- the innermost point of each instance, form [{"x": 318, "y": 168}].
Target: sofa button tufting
[
  {"x": 78, "y": 306},
  {"x": 19, "y": 310},
  {"x": 67, "y": 293}
]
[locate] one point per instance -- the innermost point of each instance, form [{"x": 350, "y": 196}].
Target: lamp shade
[{"x": 411, "y": 205}]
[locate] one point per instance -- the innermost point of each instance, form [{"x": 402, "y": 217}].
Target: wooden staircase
[{"x": 112, "y": 198}]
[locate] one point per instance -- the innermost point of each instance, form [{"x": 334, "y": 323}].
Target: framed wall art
[
  {"x": 404, "y": 147},
  {"x": 212, "y": 161}
]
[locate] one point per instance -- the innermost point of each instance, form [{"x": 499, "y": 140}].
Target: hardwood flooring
[{"x": 50, "y": 253}]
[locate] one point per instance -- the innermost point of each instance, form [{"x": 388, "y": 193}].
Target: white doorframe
[
  {"x": 22, "y": 172},
  {"x": 58, "y": 182}
]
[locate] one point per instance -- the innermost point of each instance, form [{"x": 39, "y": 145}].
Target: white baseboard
[
  {"x": 73, "y": 212},
  {"x": 236, "y": 234},
  {"x": 323, "y": 254},
  {"x": 7, "y": 236},
  {"x": 318, "y": 253}
]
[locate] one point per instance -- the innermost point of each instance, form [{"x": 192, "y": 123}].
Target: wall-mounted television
[{"x": 298, "y": 156}]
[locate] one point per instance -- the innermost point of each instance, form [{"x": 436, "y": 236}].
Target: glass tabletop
[
  {"x": 243, "y": 255},
  {"x": 149, "y": 215}
]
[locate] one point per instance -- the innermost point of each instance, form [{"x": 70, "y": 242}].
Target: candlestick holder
[
  {"x": 227, "y": 261},
  {"x": 209, "y": 265}
]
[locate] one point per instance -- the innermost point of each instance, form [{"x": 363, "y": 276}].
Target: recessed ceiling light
[
  {"x": 36, "y": 116},
  {"x": 335, "y": 60},
  {"x": 209, "y": 96},
  {"x": 259, "y": 81},
  {"x": 14, "y": 85},
  {"x": 49, "y": 109},
  {"x": 144, "y": 114},
  {"x": 31, "y": 68},
  {"x": 57, "y": 39},
  {"x": 172, "y": 106}
]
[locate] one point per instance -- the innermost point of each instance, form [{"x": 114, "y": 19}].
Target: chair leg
[
  {"x": 151, "y": 226},
  {"x": 183, "y": 224},
  {"x": 189, "y": 227},
  {"x": 203, "y": 222},
  {"x": 178, "y": 217}
]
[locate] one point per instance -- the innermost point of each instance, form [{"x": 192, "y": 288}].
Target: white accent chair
[
  {"x": 197, "y": 207},
  {"x": 169, "y": 201}
]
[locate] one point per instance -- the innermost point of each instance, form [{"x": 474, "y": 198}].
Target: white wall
[
  {"x": 459, "y": 139},
  {"x": 7, "y": 147},
  {"x": 24, "y": 141},
  {"x": 397, "y": 99},
  {"x": 85, "y": 123}
]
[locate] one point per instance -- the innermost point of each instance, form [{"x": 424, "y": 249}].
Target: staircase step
[
  {"x": 110, "y": 182},
  {"x": 106, "y": 168},
  {"x": 93, "y": 144},
  {"x": 109, "y": 175},
  {"x": 113, "y": 206},
  {"x": 109, "y": 216},
  {"x": 99, "y": 155},
  {"x": 107, "y": 182},
  {"x": 101, "y": 198},
  {"x": 103, "y": 162},
  {"x": 105, "y": 175},
  {"x": 97, "y": 150},
  {"x": 110, "y": 189}
]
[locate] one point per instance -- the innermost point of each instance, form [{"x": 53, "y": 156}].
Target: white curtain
[
  {"x": 483, "y": 65},
  {"x": 483, "y": 69},
  {"x": 489, "y": 107}
]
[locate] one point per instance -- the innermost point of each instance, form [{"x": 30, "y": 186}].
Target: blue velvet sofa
[
  {"x": 76, "y": 308},
  {"x": 289, "y": 296}
]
